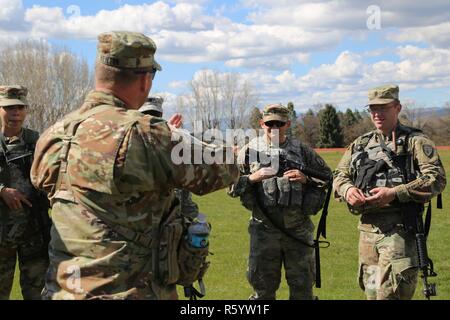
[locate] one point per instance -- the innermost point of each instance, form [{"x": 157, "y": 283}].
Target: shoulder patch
[
  {"x": 428, "y": 150},
  {"x": 320, "y": 162}
]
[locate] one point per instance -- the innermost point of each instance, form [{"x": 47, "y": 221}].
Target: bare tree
[
  {"x": 413, "y": 115},
  {"x": 57, "y": 80},
  {"x": 218, "y": 100}
]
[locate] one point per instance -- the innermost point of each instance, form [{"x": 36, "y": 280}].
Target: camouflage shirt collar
[
  {"x": 97, "y": 98},
  {"x": 399, "y": 129}
]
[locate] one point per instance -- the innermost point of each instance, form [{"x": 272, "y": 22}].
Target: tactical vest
[
  {"x": 375, "y": 164},
  {"x": 19, "y": 157},
  {"x": 279, "y": 192},
  {"x": 15, "y": 165}
]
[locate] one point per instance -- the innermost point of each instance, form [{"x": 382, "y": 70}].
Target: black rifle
[
  {"x": 412, "y": 217},
  {"x": 39, "y": 212},
  {"x": 284, "y": 164}
]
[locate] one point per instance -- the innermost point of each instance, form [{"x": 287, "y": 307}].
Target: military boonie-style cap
[
  {"x": 13, "y": 96},
  {"x": 275, "y": 112},
  {"x": 383, "y": 94},
  {"x": 154, "y": 103},
  {"x": 127, "y": 50}
]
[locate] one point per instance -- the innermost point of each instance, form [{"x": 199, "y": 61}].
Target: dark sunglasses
[
  {"x": 152, "y": 72},
  {"x": 277, "y": 124},
  {"x": 11, "y": 108}
]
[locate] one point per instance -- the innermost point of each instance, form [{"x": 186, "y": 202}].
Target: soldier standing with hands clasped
[
  {"x": 386, "y": 176},
  {"x": 24, "y": 220}
]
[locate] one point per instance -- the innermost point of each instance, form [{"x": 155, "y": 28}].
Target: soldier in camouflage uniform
[
  {"x": 21, "y": 237},
  {"x": 281, "y": 207},
  {"x": 374, "y": 182},
  {"x": 153, "y": 107},
  {"x": 111, "y": 181}
]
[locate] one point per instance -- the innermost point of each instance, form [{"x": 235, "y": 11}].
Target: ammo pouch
[
  {"x": 297, "y": 195},
  {"x": 179, "y": 262},
  {"x": 284, "y": 187},
  {"x": 280, "y": 192},
  {"x": 270, "y": 190},
  {"x": 168, "y": 270}
]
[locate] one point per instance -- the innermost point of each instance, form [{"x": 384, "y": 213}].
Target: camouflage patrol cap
[
  {"x": 383, "y": 94},
  {"x": 13, "y": 96},
  {"x": 275, "y": 112},
  {"x": 127, "y": 50},
  {"x": 154, "y": 103}
]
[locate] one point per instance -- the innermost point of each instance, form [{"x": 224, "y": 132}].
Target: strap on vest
[{"x": 131, "y": 235}]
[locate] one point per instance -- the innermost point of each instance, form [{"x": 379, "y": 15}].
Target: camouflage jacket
[
  {"x": 430, "y": 173},
  {"x": 119, "y": 183}
]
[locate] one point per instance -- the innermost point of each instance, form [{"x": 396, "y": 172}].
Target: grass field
[{"x": 226, "y": 278}]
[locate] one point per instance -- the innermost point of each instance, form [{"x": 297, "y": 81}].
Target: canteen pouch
[{"x": 192, "y": 263}]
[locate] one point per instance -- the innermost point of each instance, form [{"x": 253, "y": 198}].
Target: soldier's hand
[
  {"x": 176, "y": 120},
  {"x": 355, "y": 197},
  {"x": 296, "y": 175},
  {"x": 262, "y": 174},
  {"x": 14, "y": 198},
  {"x": 381, "y": 196}
]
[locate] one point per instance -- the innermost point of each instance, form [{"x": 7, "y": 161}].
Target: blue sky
[{"x": 305, "y": 51}]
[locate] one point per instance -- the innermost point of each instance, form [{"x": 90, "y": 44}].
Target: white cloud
[
  {"x": 11, "y": 18},
  {"x": 147, "y": 18},
  {"x": 10, "y": 9},
  {"x": 244, "y": 46},
  {"x": 436, "y": 35},
  {"x": 349, "y": 14},
  {"x": 346, "y": 81},
  {"x": 418, "y": 21},
  {"x": 280, "y": 32},
  {"x": 178, "y": 85}
]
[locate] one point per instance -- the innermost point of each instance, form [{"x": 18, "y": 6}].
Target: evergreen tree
[
  {"x": 330, "y": 128},
  {"x": 349, "y": 118},
  {"x": 358, "y": 116},
  {"x": 308, "y": 129},
  {"x": 255, "y": 117},
  {"x": 292, "y": 131}
]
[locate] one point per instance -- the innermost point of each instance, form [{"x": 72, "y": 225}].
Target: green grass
[{"x": 226, "y": 278}]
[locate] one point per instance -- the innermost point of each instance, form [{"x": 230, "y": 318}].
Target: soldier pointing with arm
[
  {"x": 154, "y": 107},
  {"x": 109, "y": 174}
]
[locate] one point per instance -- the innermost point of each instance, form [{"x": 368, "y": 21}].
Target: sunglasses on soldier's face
[
  {"x": 380, "y": 108},
  {"x": 152, "y": 73},
  {"x": 11, "y": 108},
  {"x": 277, "y": 124}
]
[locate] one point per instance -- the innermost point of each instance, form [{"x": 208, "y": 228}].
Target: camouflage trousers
[
  {"x": 387, "y": 264},
  {"x": 33, "y": 264},
  {"x": 270, "y": 249}
]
